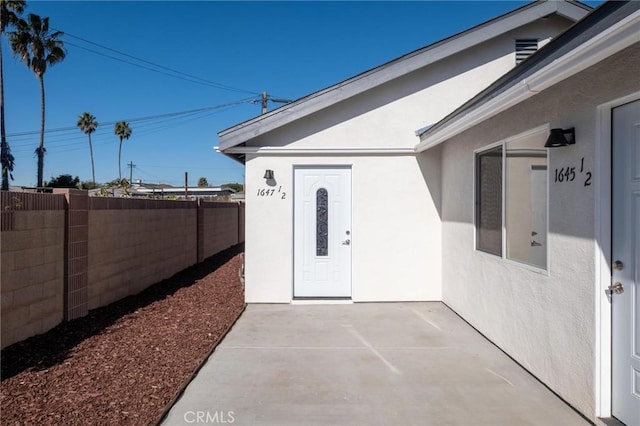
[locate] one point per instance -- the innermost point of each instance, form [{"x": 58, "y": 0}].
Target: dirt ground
[{"x": 123, "y": 364}]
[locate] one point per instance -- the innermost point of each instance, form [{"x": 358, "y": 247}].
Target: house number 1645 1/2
[
  {"x": 271, "y": 192},
  {"x": 568, "y": 174}
]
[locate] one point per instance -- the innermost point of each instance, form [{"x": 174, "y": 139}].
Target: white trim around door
[
  {"x": 625, "y": 249},
  {"x": 603, "y": 259}
]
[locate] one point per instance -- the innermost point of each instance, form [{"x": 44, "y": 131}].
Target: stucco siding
[
  {"x": 387, "y": 116},
  {"x": 396, "y": 226},
  {"x": 395, "y": 229},
  {"x": 544, "y": 319}
]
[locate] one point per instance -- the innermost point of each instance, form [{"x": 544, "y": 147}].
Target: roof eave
[
  {"x": 566, "y": 9},
  {"x": 401, "y": 66},
  {"x": 616, "y": 38},
  {"x": 240, "y": 158}
]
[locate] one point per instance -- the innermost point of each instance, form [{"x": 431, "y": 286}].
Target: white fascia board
[
  {"x": 423, "y": 129},
  {"x": 614, "y": 39},
  {"x": 319, "y": 151},
  {"x": 573, "y": 11},
  {"x": 306, "y": 106}
]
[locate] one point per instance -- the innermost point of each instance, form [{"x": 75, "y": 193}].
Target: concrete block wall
[
  {"x": 240, "y": 222},
  {"x": 136, "y": 243},
  {"x": 66, "y": 253},
  {"x": 32, "y": 263},
  {"x": 219, "y": 227},
  {"x": 75, "y": 253}
]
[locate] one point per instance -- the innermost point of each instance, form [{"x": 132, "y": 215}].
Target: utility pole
[
  {"x": 265, "y": 98},
  {"x": 264, "y": 102},
  {"x": 131, "y": 167},
  {"x": 186, "y": 185}
]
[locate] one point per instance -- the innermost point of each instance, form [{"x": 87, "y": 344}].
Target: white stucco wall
[
  {"x": 544, "y": 320},
  {"x": 388, "y": 115},
  {"x": 396, "y": 251},
  {"x": 395, "y": 229}
]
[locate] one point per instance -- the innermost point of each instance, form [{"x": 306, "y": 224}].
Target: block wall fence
[{"x": 65, "y": 253}]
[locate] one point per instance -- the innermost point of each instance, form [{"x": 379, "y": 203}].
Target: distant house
[
  {"x": 497, "y": 171},
  {"x": 238, "y": 196},
  {"x": 155, "y": 190},
  {"x": 145, "y": 190}
]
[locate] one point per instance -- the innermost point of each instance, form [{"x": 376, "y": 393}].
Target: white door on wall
[
  {"x": 625, "y": 264},
  {"x": 538, "y": 250},
  {"x": 322, "y": 232}
]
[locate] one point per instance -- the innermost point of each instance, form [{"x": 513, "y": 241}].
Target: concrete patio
[{"x": 363, "y": 364}]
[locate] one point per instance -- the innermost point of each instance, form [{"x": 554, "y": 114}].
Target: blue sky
[{"x": 288, "y": 49}]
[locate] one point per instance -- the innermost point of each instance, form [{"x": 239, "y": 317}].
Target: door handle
[
  {"x": 346, "y": 242},
  {"x": 616, "y": 288}
]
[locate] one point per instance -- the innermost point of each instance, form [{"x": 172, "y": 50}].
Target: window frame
[
  {"x": 476, "y": 193},
  {"x": 543, "y": 129}
]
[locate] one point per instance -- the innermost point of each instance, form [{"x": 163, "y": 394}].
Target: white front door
[
  {"x": 625, "y": 264},
  {"x": 322, "y": 232}
]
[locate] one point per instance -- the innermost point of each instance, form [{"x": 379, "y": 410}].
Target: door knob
[
  {"x": 346, "y": 242},
  {"x": 616, "y": 288},
  {"x": 618, "y": 266}
]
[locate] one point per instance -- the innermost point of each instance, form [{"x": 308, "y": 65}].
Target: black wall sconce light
[
  {"x": 268, "y": 174},
  {"x": 561, "y": 137}
]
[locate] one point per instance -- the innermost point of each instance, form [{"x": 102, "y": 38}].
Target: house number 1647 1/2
[{"x": 271, "y": 192}]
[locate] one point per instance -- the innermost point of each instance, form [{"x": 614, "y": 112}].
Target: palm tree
[
  {"x": 88, "y": 124},
  {"x": 38, "y": 48},
  {"x": 123, "y": 131},
  {"x": 9, "y": 11}
]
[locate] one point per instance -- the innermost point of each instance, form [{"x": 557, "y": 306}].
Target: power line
[
  {"x": 62, "y": 135},
  {"x": 188, "y": 167},
  {"x": 191, "y": 76},
  {"x": 134, "y": 120},
  {"x": 103, "y": 131},
  {"x": 138, "y": 65},
  {"x": 152, "y": 176},
  {"x": 104, "y": 136}
]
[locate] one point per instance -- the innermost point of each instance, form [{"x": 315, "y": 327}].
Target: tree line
[{"x": 39, "y": 47}]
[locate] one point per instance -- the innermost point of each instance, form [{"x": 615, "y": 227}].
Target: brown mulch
[{"x": 124, "y": 363}]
